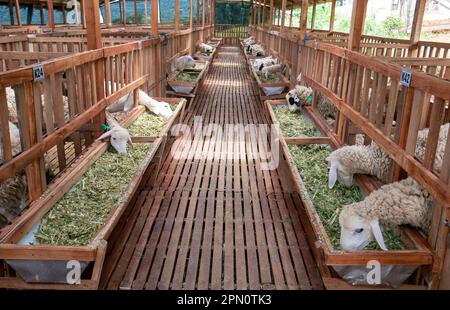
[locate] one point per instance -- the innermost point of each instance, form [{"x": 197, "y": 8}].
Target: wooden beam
[
  {"x": 94, "y": 35},
  {"x": 177, "y": 15},
  {"x": 264, "y": 14},
  {"x": 417, "y": 23},
  {"x": 124, "y": 12},
  {"x": 198, "y": 14},
  {"x": 211, "y": 11},
  {"x": 146, "y": 12},
  {"x": 135, "y": 13},
  {"x": 19, "y": 18},
  {"x": 357, "y": 25},
  {"x": 283, "y": 14},
  {"x": 271, "y": 14},
  {"x": 304, "y": 15},
  {"x": 11, "y": 12},
  {"x": 51, "y": 19},
  {"x": 313, "y": 17},
  {"x": 203, "y": 11},
  {"x": 157, "y": 51},
  {"x": 107, "y": 13},
  {"x": 250, "y": 17},
  {"x": 333, "y": 11}
]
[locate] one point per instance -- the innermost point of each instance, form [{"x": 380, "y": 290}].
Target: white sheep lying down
[
  {"x": 400, "y": 203},
  {"x": 125, "y": 104},
  {"x": 183, "y": 62}
]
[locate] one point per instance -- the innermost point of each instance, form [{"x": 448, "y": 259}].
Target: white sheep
[
  {"x": 160, "y": 108},
  {"x": 125, "y": 104},
  {"x": 249, "y": 41},
  {"x": 298, "y": 97},
  {"x": 256, "y": 50},
  {"x": 401, "y": 203},
  {"x": 259, "y": 64},
  {"x": 183, "y": 62},
  {"x": 120, "y": 136},
  {"x": 344, "y": 162},
  {"x": 206, "y": 47},
  {"x": 273, "y": 69},
  {"x": 12, "y": 108}
]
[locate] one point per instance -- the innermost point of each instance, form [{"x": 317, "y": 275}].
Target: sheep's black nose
[
  {"x": 325, "y": 162},
  {"x": 291, "y": 101}
]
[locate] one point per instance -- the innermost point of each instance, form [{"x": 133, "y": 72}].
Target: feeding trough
[
  {"x": 273, "y": 87},
  {"x": 304, "y": 155},
  {"x": 184, "y": 83},
  {"x": 98, "y": 178}
]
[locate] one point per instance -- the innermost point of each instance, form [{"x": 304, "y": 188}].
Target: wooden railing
[
  {"x": 370, "y": 100},
  {"x": 230, "y": 31},
  {"x": 67, "y": 104}
]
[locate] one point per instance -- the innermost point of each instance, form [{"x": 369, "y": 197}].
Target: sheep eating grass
[
  {"x": 183, "y": 62},
  {"x": 298, "y": 97},
  {"x": 120, "y": 136},
  {"x": 273, "y": 69}
]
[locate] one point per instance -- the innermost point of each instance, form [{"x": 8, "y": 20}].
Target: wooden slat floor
[{"x": 212, "y": 221}]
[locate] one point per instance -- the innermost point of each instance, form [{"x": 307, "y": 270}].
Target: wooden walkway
[{"x": 215, "y": 222}]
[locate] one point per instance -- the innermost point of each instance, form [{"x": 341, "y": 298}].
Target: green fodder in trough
[
  {"x": 75, "y": 218},
  {"x": 187, "y": 76},
  {"x": 271, "y": 78},
  {"x": 328, "y": 203},
  {"x": 293, "y": 124}
]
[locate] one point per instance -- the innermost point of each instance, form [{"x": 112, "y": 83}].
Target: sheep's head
[
  {"x": 338, "y": 169},
  {"x": 163, "y": 109},
  {"x": 357, "y": 231},
  {"x": 120, "y": 137},
  {"x": 293, "y": 100},
  {"x": 190, "y": 62}
]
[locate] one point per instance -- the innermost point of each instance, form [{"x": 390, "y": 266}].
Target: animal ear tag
[
  {"x": 105, "y": 127},
  {"x": 309, "y": 99}
]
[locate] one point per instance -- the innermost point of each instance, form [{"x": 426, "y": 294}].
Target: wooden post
[
  {"x": 177, "y": 15},
  {"x": 30, "y": 13},
  {"x": 313, "y": 17},
  {"x": 264, "y": 14},
  {"x": 124, "y": 12},
  {"x": 157, "y": 54},
  {"x": 191, "y": 26},
  {"x": 357, "y": 25},
  {"x": 63, "y": 9},
  {"x": 271, "y": 14},
  {"x": 83, "y": 13},
  {"x": 51, "y": 20},
  {"x": 283, "y": 14},
  {"x": 94, "y": 41},
  {"x": 250, "y": 16},
  {"x": 333, "y": 11},
  {"x": 146, "y": 12},
  {"x": 135, "y": 13},
  {"x": 107, "y": 13},
  {"x": 203, "y": 11},
  {"x": 41, "y": 13},
  {"x": 19, "y": 18},
  {"x": 290, "y": 17},
  {"x": 198, "y": 14},
  {"x": 304, "y": 16},
  {"x": 211, "y": 12},
  {"x": 417, "y": 26},
  {"x": 11, "y": 12}
]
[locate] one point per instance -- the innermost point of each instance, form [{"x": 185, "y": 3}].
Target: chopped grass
[
  {"x": 329, "y": 202},
  {"x": 206, "y": 53},
  {"x": 271, "y": 78},
  {"x": 199, "y": 66},
  {"x": 294, "y": 124},
  {"x": 187, "y": 76},
  {"x": 75, "y": 219}
]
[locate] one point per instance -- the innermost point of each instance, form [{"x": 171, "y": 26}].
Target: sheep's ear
[
  {"x": 130, "y": 142},
  {"x": 376, "y": 230},
  {"x": 105, "y": 135},
  {"x": 332, "y": 174}
]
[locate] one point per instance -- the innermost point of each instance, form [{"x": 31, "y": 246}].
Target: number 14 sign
[{"x": 405, "y": 77}]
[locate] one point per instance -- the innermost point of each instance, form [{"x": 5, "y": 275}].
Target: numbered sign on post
[
  {"x": 38, "y": 72},
  {"x": 405, "y": 78}
]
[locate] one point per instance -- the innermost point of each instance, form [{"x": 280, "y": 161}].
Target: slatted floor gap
[{"x": 215, "y": 222}]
